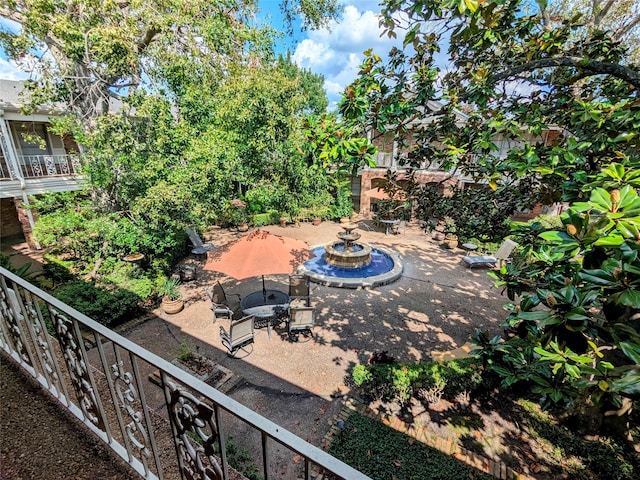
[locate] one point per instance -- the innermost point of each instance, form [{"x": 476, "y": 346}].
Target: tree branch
[
  {"x": 145, "y": 41},
  {"x": 594, "y": 67},
  {"x": 12, "y": 14}
]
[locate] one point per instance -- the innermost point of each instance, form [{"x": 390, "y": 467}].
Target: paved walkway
[{"x": 436, "y": 305}]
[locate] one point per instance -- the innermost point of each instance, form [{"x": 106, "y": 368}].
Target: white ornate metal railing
[
  {"x": 35, "y": 166},
  {"x": 386, "y": 160},
  {"x": 107, "y": 387},
  {"x": 4, "y": 169}
]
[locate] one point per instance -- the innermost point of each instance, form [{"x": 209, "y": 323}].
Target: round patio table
[
  {"x": 266, "y": 306},
  {"x": 389, "y": 224}
]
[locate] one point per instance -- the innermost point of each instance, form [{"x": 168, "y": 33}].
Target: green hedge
[
  {"x": 108, "y": 306},
  {"x": 261, "y": 219}
]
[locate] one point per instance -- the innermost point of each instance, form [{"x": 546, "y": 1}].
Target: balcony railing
[
  {"x": 387, "y": 161},
  {"x": 106, "y": 385},
  {"x": 38, "y": 166}
]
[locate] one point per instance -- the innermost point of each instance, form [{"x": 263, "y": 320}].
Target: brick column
[{"x": 23, "y": 218}]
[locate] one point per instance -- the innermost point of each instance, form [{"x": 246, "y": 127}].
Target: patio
[{"x": 436, "y": 305}]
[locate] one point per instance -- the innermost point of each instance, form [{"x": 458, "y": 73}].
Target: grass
[{"x": 383, "y": 453}]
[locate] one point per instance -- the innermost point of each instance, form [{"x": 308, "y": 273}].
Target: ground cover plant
[
  {"x": 383, "y": 453},
  {"x": 453, "y": 401}
]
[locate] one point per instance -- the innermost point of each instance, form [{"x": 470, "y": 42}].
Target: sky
[{"x": 335, "y": 52}]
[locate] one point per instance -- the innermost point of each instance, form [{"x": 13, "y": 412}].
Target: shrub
[
  {"x": 401, "y": 381},
  {"x": 261, "y": 219},
  {"x": 108, "y": 306}
]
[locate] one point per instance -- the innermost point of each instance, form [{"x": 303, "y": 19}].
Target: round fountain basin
[
  {"x": 385, "y": 267},
  {"x": 352, "y": 256}
]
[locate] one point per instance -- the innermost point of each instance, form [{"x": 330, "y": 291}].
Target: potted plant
[
  {"x": 450, "y": 233},
  {"x": 238, "y": 214},
  {"x": 283, "y": 221},
  {"x": 171, "y": 297}
]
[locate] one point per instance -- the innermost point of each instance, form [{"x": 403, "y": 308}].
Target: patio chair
[
  {"x": 199, "y": 248},
  {"x": 501, "y": 255},
  {"x": 396, "y": 227},
  {"x": 239, "y": 336},
  {"x": 299, "y": 290},
  {"x": 222, "y": 312},
  {"x": 301, "y": 319},
  {"x": 219, "y": 298}
]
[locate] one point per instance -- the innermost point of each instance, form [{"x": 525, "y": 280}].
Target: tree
[
  {"x": 620, "y": 17},
  {"x": 89, "y": 53},
  {"x": 85, "y": 54},
  {"x": 515, "y": 71},
  {"x": 312, "y": 84}
]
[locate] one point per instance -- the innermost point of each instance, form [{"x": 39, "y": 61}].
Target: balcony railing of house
[
  {"x": 38, "y": 166},
  {"x": 386, "y": 160},
  {"x": 105, "y": 383}
]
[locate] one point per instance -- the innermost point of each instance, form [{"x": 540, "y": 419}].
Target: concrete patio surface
[{"x": 436, "y": 305}]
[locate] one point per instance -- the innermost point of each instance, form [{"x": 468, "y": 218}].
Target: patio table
[
  {"x": 266, "y": 306},
  {"x": 388, "y": 224}
]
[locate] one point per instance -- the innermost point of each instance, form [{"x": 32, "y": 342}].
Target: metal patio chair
[
  {"x": 299, "y": 292},
  {"x": 301, "y": 320},
  {"x": 239, "y": 336},
  {"x": 219, "y": 298},
  {"x": 501, "y": 255}
]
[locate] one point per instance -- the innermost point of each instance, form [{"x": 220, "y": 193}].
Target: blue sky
[{"x": 335, "y": 52}]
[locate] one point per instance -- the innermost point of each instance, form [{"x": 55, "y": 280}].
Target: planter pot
[
  {"x": 451, "y": 242},
  {"x": 283, "y": 221},
  {"x": 345, "y": 220},
  {"x": 171, "y": 306},
  {"x": 316, "y": 221},
  {"x": 243, "y": 227}
]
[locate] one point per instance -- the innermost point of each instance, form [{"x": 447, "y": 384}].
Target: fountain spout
[{"x": 347, "y": 253}]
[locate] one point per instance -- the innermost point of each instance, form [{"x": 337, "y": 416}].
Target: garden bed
[{"x": 497, "y": 428}]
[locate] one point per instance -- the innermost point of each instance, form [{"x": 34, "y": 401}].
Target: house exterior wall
[
  {"x": 388, "y": 153},
  {"x": 10, "y": 224},
  {"x": 29, "y": 167}
]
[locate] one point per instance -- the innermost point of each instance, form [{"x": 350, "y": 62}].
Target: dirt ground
[{"x": 436, "y": 305}]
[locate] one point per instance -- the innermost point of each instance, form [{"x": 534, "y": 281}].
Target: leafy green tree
[
  {"x": 337, "y": 149},
  {"x": 91, "y": 52},
  {"x": 518, "y": 72},
  {"x": 312, "y": 85}
]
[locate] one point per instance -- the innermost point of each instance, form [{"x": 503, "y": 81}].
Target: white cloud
[
  {"x": 337, "y": 51},
  {"x": 10, "y": 71}
]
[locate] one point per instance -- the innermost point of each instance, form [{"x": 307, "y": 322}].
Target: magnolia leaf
[
  {"x": 614, "y": 239},
  {"x": 626, "y": 229},
  {"x": 601, "y": 199},
  {"x": 599, "y": 277},
  {"x": 627, "y": 196},
  {"x": 629, "y": 298},
  {"x": 631, "y": 350},
  {"x": 572, "y": 370},
  {"x": 628, "y": 384}
]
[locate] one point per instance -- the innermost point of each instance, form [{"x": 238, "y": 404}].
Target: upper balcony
[{"x": 37, "y": 174}]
